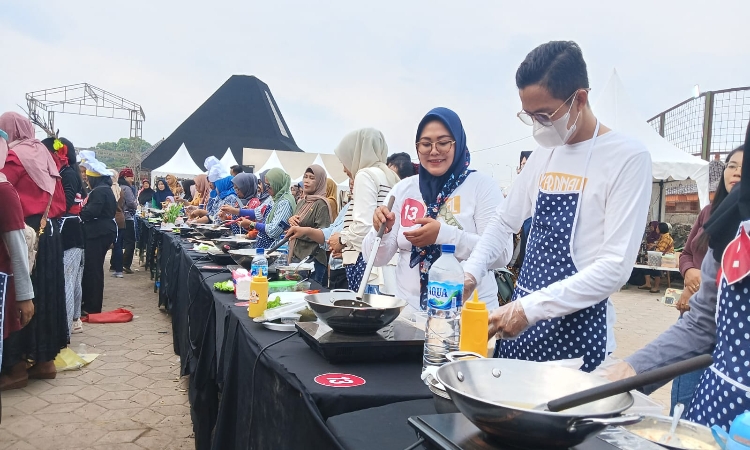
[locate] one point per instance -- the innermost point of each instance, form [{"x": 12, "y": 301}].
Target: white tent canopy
[
  {"x": 228, "y": 159},
  {"x": 294, "y": 163},
  {"x": 180, "y": 165},
  {"x": 615, "y": 109}
]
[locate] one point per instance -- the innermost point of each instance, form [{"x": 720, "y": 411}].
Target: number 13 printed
[{"x": 411, "y": 211}]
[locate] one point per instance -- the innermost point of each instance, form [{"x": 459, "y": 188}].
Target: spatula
[{"x": 373, "y": 253}]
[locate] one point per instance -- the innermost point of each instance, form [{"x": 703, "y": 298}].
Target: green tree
[{"x": 124, "y": 145}]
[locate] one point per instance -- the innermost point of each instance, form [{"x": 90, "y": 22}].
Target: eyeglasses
[
  {"x": 733, "y": 166},
  {"x": 425, "y": 147},
  {"x": 545, "y": 119}
]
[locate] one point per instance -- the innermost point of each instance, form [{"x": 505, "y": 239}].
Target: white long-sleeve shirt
[
  {"x": 472, "y": 205},
  {"x": 607, "y": 232}
]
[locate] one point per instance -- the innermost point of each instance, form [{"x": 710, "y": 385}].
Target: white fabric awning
[
  {"x": 668, "y": 163},
  {"x": 180, "y": 165}
]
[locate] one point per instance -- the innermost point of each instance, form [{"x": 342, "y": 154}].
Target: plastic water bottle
[
  {"x": 260, "y": 263},
  {"x": 444, "y": 290}
]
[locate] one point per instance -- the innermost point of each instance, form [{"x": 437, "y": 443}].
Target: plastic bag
[
  {"x": 575, "y": 363},
  {"x": 67, "y": 359},
  {"x": 119, "y": 315}
]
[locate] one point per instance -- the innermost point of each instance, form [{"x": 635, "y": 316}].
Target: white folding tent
[
  {"x": 294, "y": 163},
  {"x": 669, "y": 164},
  {"x": 228, "y": 159},
  {"x": 180, "y": 165}
]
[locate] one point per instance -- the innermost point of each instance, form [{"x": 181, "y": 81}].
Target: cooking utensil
[
  {"x": 671, "y": 438},
  {"x": 599, "y": 392},
  {"x": 373, "y": 253},
  {"x": 380, "y": 311},
  {"x": 292, "y": 273},
  {"x": 692, "y": 435},
  {"x": 244, "y": 257},
  {"x": 211, "y": 232},
  {"x": 498, "y": 396},
  {"x": 277, "y": 245}
]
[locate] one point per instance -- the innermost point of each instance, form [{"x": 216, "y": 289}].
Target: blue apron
[
  {"x": 724, "y": 390},
  {"x": 548, "y": 260},
  {"x": 3, "y": 289}
]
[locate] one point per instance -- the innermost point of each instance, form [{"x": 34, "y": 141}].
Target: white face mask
[{"x": 557, "y": 134}]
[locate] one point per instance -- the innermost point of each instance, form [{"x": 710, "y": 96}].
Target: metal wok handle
[
  {"x": 661, "y": 374},
  {"x": 606, "y": 421},
  {"x": 455, "y": 356}
]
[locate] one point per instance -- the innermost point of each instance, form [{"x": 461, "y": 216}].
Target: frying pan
[
  {"x": 348, "y": 312},
  {"x": 499, "y": 396}
]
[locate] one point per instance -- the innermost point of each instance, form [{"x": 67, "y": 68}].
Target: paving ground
[{"x": 132, "y": 398}]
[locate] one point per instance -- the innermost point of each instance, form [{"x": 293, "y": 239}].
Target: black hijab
[
  {"x": 146, "y": 195},
  {"x": 725, "y": 221}
]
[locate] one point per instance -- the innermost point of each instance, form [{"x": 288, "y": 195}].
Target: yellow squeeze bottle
[
  {"x": 474, "y": 319},
  {"x": 258, "y": 296}
]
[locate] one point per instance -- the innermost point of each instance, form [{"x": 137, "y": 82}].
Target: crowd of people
[{"x": 575, "y": 214}]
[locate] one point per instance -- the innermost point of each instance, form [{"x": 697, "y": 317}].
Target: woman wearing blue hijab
[
  {"x": 162, "y": 193},
  {"x": 448, "y": 203}
]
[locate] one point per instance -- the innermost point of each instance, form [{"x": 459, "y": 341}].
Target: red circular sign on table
[{"x": 339, "y": 380}]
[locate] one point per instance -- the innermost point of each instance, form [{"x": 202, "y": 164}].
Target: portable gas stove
[
  {"x": 456, "y": 432},
  {"x": 400, "y": 340}
]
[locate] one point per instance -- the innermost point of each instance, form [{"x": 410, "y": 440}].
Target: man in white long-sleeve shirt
[{"x": 587, "y": 189}]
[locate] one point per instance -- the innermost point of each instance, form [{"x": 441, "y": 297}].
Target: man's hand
[
  {"x": 26, "y": 311},
  {"x": 383, "y": 216},
  {"x": 470, "y": 284},
  {"x": 508, "y": 321},
  {"x": 335, "y": 243},
  {"x": 426, "y": 234}
]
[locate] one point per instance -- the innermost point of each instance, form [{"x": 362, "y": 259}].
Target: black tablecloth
[{"x": 218, "y": 346}]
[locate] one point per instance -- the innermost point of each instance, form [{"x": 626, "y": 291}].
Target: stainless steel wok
[
  {"x": 498, "y": 395},
  {"x": 345, "y": 318}
]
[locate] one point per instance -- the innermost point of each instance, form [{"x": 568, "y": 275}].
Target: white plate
[{"x": 279, "y": 326}]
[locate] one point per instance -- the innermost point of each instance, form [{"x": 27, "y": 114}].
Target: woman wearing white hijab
[{"x": 364, "y": 154}]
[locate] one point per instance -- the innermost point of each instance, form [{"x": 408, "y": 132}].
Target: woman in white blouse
[{"x": 446, "y": 204}]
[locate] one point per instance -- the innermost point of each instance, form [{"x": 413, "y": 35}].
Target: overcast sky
[{"x": 335, "y": 66}]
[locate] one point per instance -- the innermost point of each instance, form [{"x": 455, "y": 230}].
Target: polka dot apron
[
  {"x": 548, "y": 260},
  {"x": 724, "y": 390},
  {"x": 3, "y": 289}
]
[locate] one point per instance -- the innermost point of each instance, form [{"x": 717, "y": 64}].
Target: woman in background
[
  {"x": 665, "y": 245},
  {"x": 246, "y": 188},
  {"x": 276, "y": 185},
  {"x": 174, "y": 185},
  {"x": 696, "y": 246},
  {"x": 125, "y": 180},
  {"x": 115, "y": 261},
  {"x": 163, "y": 194},
  {"x": 146, "y": 194},
  {"x": 188, "y": 187},
  {"x": 313, "y": 212},
  {"x": 331, "y": 191},
  {"x": 364, "y": 154},
  {"x": 33, "y": 171},
  {"x": 71, "y": 228},
  {"x": 98, "y": 215},
  {"x": 16, "y": 302}
]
